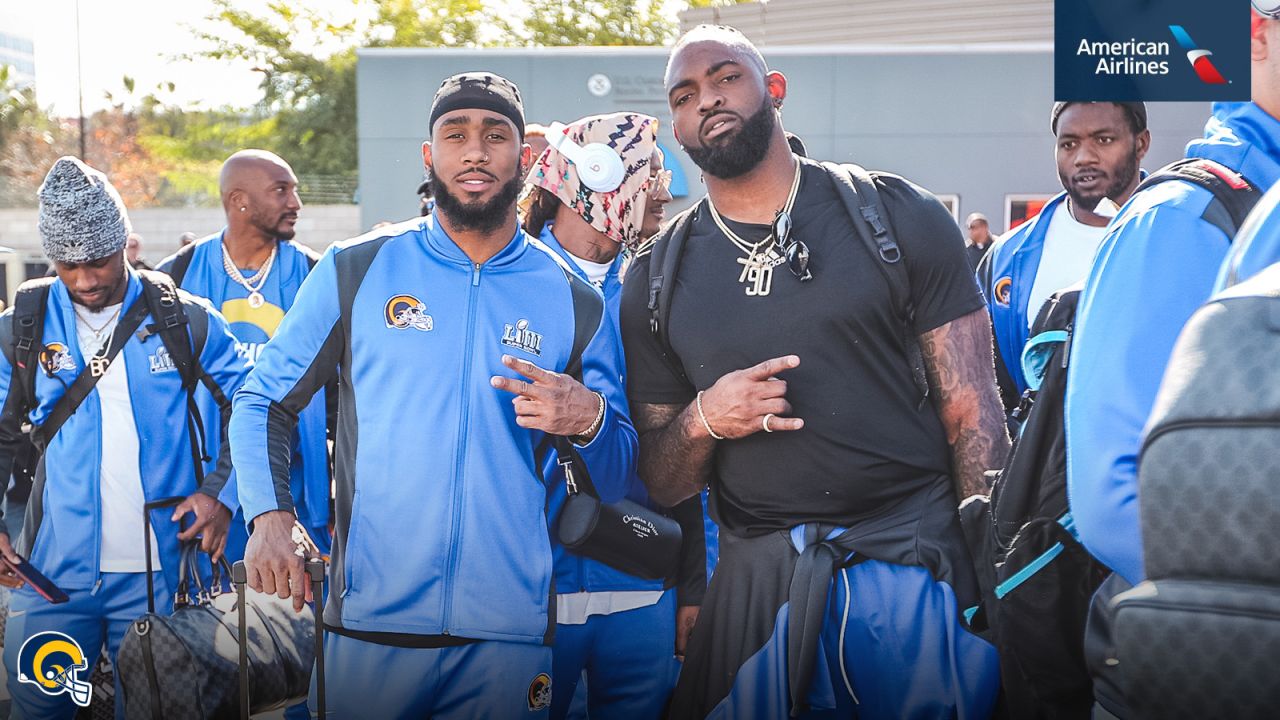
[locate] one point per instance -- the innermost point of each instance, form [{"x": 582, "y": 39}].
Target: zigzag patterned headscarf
[{"x": 618, "y": 214}]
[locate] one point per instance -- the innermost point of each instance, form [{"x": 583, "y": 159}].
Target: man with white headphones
[{"x": 1157, "y": 264}]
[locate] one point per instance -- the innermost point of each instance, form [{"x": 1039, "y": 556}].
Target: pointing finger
[{"x": 773, "y": 366}]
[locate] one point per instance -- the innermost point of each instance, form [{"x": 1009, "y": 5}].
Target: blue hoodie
[
  {"x": 440, "y": 522},
  {"x": 1157, "y": 264}
]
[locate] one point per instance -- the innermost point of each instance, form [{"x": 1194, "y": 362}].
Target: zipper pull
[{"x": 475, "y": 275}]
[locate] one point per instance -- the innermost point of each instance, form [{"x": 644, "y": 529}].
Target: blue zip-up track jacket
[
  {"x": 440, "y": 525},
  {"x": 62, "y": 536},
  {"x": 1007, "y": 275},
  {"x": 1156, "y": 266},
  {"x": 577, "y": 573}
]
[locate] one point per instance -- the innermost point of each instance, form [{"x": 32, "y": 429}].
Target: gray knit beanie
[{"x": 81, "y": 216}]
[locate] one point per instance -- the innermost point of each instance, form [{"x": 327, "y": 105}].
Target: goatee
[{"x": 737, "y": 153}]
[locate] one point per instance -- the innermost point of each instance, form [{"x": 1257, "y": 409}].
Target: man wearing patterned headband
[
  {"x": 454, "y": 337},
  {"x": 618, "y": 628}
]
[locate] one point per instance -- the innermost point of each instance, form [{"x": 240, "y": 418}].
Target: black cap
[
  {"x": 1136, "y": 110},
  {"x": 479, "y": 91}
]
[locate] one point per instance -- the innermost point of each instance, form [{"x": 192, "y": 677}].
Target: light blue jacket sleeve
[
  {"x": 298, "y": 360},
  {"x": 611, "y": 454},
  {"x": 227, "y": 369},
  {"x": 1155, "y": 267},
  {"x": 1257, "y": 245}
]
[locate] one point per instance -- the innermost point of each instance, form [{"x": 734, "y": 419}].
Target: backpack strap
[
  {"x": 588, "y": 310},
  {"x": 857, "y": 190},
  {"x": 171, "y": 322},
  {"x": 181, "y": 261},
  {"x": 665, "y": 254},
  {"x": 1234, "y": 196},
  {"x": 88, "y": 377},
  {"x": 28, "y": 329}
]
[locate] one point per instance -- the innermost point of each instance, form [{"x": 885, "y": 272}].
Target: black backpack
[
  {"x": 1037, "y": 580},
  {"x": 857, "y": 191},
  {"x": 169, "y": 321}
]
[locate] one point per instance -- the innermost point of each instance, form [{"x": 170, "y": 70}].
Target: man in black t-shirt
[{"x": 791, "y": 394}]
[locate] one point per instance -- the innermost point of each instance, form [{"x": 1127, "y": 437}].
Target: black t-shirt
[{"x": 867, "y": 441}]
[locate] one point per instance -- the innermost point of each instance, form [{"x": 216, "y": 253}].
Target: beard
[
  {"x": 737, "y": 153},
  {"x": 481, "y": 216},
  {"x": 1115, "y": 190},
  {"x": 273, "y": 227}
]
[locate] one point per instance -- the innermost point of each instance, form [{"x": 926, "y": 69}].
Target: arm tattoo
[
  {"x": 674, "y": 463},
  {"x": 961, "y": 370}
]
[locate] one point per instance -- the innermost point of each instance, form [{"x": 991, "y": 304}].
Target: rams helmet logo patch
[
  {"x": 53, "y": 662},
  {"x": 1002, "y": 289},
  {"x": 56, "y": 357},
  {"x": 406, "y": 311},
  {"x": 540, "y": 693}
]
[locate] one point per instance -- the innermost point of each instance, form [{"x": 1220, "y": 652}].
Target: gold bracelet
[
  {"x": 583, "y": 437},
  {"x": 703, "y": 417}
]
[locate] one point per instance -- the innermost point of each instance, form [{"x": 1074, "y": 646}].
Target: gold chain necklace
[{"x": 761, "y": 259}]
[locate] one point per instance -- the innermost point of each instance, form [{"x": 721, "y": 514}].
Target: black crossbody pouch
[{"x": 624, "y": 535}]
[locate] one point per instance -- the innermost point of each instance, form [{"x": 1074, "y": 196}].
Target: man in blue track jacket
[
  {"x": 251, "y": 271},
  {"x": 618, "y": 629},
  {"x": 440, "y": 600},
  {"x": 1158, "y": 263},
  {"x": 1099, "y": 149},
  {"x": 125, "y": 445}
]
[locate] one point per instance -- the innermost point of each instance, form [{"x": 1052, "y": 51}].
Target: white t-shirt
[
  {"x": 1069, "y": 247},
  {"x": 596, "y": 272},
  {"x": 122, "y": 548}
]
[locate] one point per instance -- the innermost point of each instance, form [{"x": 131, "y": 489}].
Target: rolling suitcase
[{"x": 315, "y": 573}]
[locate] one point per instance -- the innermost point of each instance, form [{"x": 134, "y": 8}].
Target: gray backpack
[{"x": 1201, "y": 637}]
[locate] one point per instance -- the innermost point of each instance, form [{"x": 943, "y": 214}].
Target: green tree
[
  {"x": 308, "y": 108},
  {"x": 598, "y": 22}
]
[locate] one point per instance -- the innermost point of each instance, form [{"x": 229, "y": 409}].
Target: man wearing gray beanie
[
  {"x": 98, "y": 381},
  {"x": 440, "y": 588}
]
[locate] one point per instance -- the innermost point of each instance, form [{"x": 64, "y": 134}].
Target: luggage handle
[
  {"x": 146, "y": 540},
  {"x": 239, "y": 578}
]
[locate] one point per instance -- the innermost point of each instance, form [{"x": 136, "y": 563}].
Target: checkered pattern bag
[{"x": 190, "y": 664}]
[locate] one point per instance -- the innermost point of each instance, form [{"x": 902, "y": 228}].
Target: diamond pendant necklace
[
  {"x": 761, "y": 259},
  {"x": 254, "y": 283},
  {"x": 98, "y": 363}
]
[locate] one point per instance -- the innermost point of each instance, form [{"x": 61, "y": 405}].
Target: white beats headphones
[
  {"x": 599, "y": 167},
  {"x": 1269, "y": 8}
]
